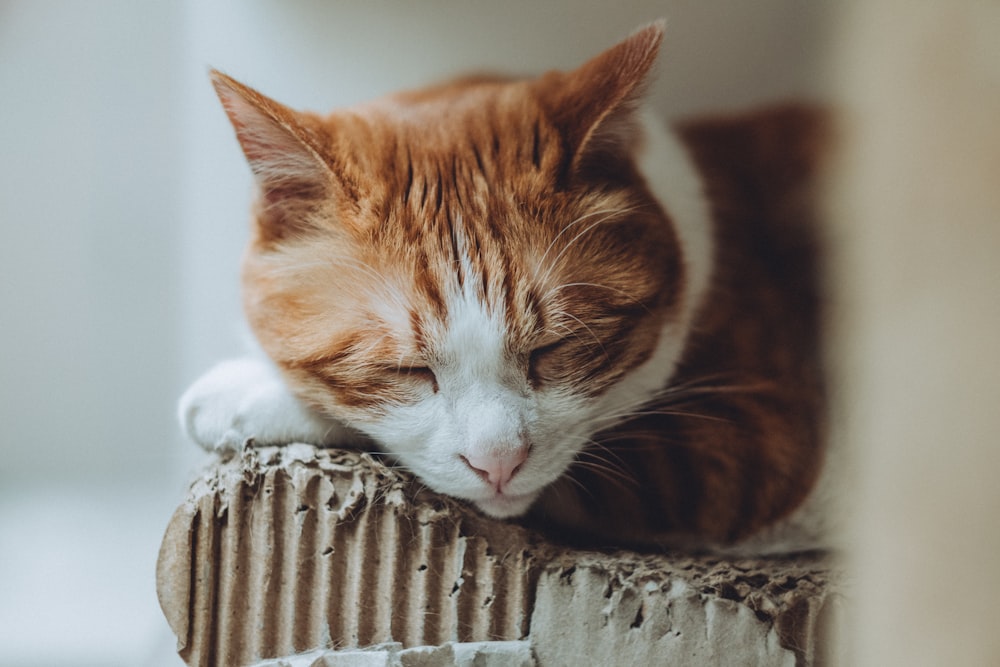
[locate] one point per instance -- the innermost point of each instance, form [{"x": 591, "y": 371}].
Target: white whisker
[
  {"x": 588, "y": 329},
  {"x": 623, "y": 293},
  {"x": 609, "y": 214}
]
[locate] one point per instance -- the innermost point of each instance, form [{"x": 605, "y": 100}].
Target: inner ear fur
[
  {"x": 593, "y": 107},
  {"x": 284, "y": 152}
]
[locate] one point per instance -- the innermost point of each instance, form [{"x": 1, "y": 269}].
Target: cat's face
[{"x": 476, "y": 275}]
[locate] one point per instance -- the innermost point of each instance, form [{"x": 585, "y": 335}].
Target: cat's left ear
[
  {"x": 594, "y": 105},
  {"x": 284, "y": 153}
]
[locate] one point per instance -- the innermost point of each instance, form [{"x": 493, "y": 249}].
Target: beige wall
[{"x": 918, "y": 217}]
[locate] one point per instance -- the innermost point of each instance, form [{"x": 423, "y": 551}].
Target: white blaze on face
[
  {"x": 481, "y": 416},
  {"x": 475, "y": 377},
  {"x": 486, "y": 400},
  {"x": 487, "y": 406}
]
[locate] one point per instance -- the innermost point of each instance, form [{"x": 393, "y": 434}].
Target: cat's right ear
[
  {"x": 284, "y": 154},
  {"x": 593, "y": 106}
]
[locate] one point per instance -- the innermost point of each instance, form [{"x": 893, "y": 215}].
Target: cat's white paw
[{"x": 245, "y": 400}]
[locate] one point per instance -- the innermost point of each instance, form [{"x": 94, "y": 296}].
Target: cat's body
[{"x": 533, "y": 296}]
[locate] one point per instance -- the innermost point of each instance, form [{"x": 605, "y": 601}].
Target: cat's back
[{"x": 761, "y": 171}]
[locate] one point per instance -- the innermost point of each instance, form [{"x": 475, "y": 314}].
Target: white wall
[
  {"x": 89, "y": 325},
  {"x": 88, "y": 237}
]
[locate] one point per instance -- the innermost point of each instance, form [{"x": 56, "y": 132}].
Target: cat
[{"x": 538, "y": 298}]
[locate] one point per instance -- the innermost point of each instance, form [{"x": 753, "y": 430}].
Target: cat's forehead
[
  {"x": 474, "y": 98},
  {"x": 489, "y": 115}
]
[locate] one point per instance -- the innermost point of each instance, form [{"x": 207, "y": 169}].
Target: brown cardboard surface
[{"x": 288, "y": 550}]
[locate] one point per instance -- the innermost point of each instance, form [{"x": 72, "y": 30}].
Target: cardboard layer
[
  {"x": 473, "y": 654},
  {"x": 289, "y": 550}
]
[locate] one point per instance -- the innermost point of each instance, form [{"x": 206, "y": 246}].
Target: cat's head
[{"x": 476, "y": 274}]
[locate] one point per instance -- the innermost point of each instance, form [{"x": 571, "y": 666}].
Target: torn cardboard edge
[{"x": 282, "y": 551}]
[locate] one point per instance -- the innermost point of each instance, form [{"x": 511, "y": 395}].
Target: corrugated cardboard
[{"x": 289, "y": 550}]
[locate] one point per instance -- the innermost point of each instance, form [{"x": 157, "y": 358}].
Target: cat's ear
[
  {"x": 284, "y": 154},
  {"x": 594, "y": 105}
]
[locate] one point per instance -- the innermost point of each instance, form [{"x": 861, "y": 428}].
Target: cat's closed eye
[
  {"x": 543, "y": 362},
  {"x": 423, "y": 375}
]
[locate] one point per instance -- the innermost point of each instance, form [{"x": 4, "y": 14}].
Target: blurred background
[{"x": 123, "y": 210}]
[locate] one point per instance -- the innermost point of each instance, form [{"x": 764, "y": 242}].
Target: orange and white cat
[{"x": 536, "y": 297}]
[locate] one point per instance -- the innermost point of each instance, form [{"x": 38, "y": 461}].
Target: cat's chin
[{"x": 503, "y": 506}]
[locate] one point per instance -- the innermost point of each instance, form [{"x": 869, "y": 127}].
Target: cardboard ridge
[{"x": 282, "y": 551}]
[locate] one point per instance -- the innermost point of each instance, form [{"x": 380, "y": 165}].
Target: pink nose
[{"x": 497, "y": 468}]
